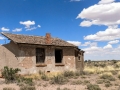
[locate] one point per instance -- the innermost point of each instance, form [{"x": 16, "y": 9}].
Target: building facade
[{"x": 40, "y": 53}]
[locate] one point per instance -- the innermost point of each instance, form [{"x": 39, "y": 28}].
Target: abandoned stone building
[{"x": 34, "y": 53}]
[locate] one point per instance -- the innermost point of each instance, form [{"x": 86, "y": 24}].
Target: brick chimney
[{"x": 48, "y": 38}]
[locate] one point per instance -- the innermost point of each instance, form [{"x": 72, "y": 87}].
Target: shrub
[
  {"x": 78, "y": 82},
  {"x": 106, "y": 76},
  {"x": 119, "y": 76},
  {"x": 108, "y": 84},
  {"x": 44, "y": 77},
  {"x": 10, "y": 74},
  {"x": 66, "y": 88},
  {"x": 114, "y": 72},
  {"x": 84, "y": 73},
  {"x": 89, "y": 61},
  {"x": 106, "y": 81},
  {"x": 8, "y": 88},
  {"x": 68, "y": 74},
  {"x": 28, "y": 81},
  {"x": 59, "y": 79},
  {"x": 114, "y": 61},
  {"x": 93, "y": 87},
  {"x": 27, "y": 88},
  {"x": 100, "y": 81},
  {"x": 103, "y": 65},
  {"x": 77, "y": 73},
  {"x": 86, "y": 82}
]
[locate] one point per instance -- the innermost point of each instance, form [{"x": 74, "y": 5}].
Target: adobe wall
[
  {"x": 27, "y": 59},
  {"x": 80, "y": 63},
  {"x": 7, "y": 56},
  {"x": 24, "y": 57}
]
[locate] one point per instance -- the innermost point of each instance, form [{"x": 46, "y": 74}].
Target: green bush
[
  {"x": 10, "y": 74},
  {"x": 93, "y": 87}
]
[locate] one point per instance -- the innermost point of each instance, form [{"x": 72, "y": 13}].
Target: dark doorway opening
[
  {"x": 58, "y": 56},
  {"x": 40, "y": 55}
]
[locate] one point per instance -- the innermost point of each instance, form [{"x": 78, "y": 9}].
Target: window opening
[
  {"x": 40, "y": 55},
  {"x": 58, "y": 56}
]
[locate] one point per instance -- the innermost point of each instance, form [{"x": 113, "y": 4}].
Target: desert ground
[{"x": 97, "y": 75}]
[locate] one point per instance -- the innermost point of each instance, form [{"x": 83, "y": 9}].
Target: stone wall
[
  {"x": 23, "y": 56},
  {"x": 80, "y": 61}
]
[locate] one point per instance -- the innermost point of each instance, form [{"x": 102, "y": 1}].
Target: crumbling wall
[
  {"x": 80, "y": 61},
  {"x": 69, "y": 58},
  {"x": 8, "y": 56},
  {"x": 27, "y": 59},
  {"x": 23, "y": 56},
  {"x": 68, "y": 61}
]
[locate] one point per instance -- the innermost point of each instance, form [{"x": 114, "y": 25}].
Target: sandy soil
[{"x": 45, "y": 85}]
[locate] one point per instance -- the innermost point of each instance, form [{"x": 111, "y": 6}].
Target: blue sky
[{"x": 92, "y": 25}]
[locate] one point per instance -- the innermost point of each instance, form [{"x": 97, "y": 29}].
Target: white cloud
[
  {"x": 4, "y": 29},
  {"x": 76, "y": 43},
  {"x": 107, "y": 35},
  {"x": 27, "y": 23},
  {"x": 105, "y": 1},
  {"x": 32, "y": 28},
  {"x": 101, "y": 14},
  {"x": 86, "y": 23},
  {"x": 86, "y": 43},
  {"x": 1, "y": 38},
  {"x": 94, "y": 48},
  {"x": 109, "y": 46},
  {"x": 113, "y": 42},
  {"x": 105, "y": 12},
  {"x": 89, "y": 44},
  {"x": 75, "y": 0},
  {"x": 17, "y": 30},
  {"x": 39, "y": 26},
  {"x": 102, "y": 53}
]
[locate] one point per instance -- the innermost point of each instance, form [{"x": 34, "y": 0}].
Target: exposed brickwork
[
  {"x": 48, "y": 38},
  {"x": 26, "y": 63}
]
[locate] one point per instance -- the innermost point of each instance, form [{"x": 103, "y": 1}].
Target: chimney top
[{"x": 48, "y": 38}]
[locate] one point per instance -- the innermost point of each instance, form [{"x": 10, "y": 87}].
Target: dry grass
[
  {"x": 100, "y": 67},
  {"x": 96, "y": 76}
]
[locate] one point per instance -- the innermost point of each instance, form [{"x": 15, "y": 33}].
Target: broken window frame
[{"x": 40, "y": 55}]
